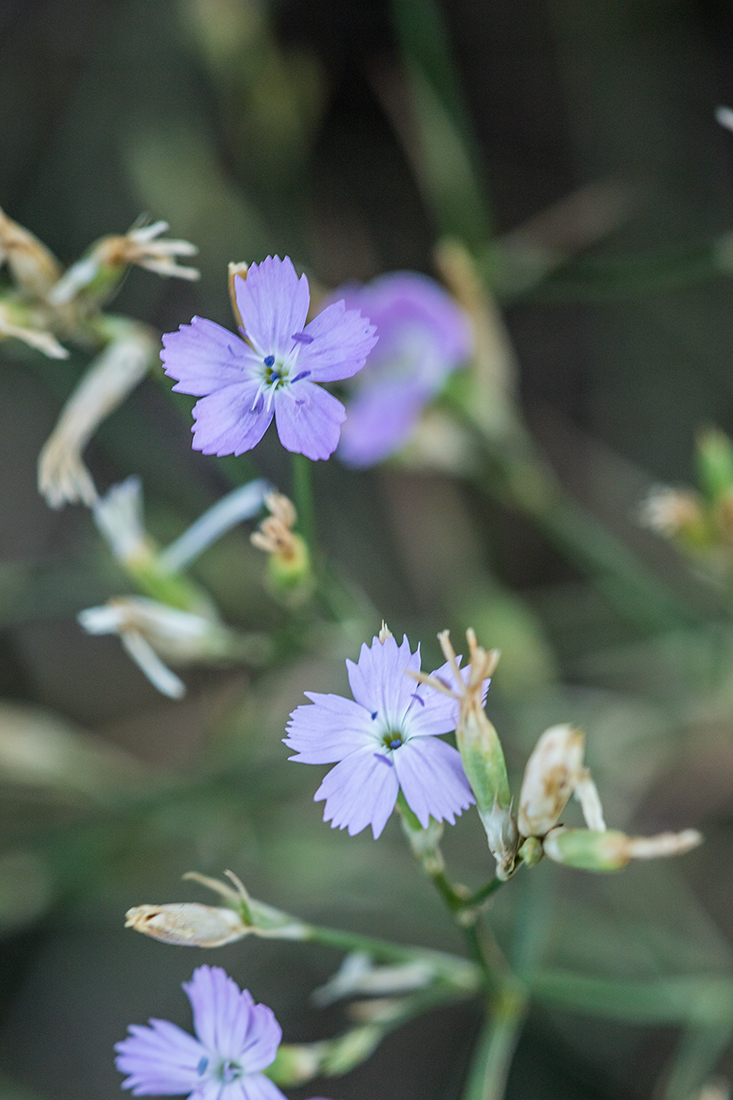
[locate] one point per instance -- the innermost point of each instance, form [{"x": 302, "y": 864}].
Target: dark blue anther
[
  {"x": 302, "y": 338},
  {"x": 270, "y": 361},
  {"x": 374, "y": 714},
  {"x": 202, "y": 1066},
  {"x": 396, "y": 743},
  {"x": 275, "y": 376},
  {"x": 303, "y": 374},
  {"x": 420, "y": 700}
]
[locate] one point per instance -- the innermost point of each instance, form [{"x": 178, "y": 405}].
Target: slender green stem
[
  {"x": 426, "y": 850},
  {"x": 456, "y": 971},
  {"x": 483, "y": 892},
  {"x": 303, "y": 498},
  {"x": 492, "y": 1059}
]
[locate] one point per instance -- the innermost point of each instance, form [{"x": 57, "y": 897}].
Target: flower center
[
  {"x": 392, "y": 739},
  {"x": 228, "y": 1071},
  {"x": 274, "y": 372}
]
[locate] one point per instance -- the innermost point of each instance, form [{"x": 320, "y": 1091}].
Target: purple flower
[
  {"x": 236, "y": 1040},
  {"x": 273, "y": 371},
  {"x": 383, "y": 740},
  {"x": 423, "y": 336}
]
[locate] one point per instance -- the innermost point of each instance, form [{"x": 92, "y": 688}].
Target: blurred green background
[{"x": 256, "y": 128}]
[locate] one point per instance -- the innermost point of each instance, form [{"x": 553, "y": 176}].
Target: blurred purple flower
[
  {"x": 385, "y": 740},
  {"x": 273, "y": 371},
  {"x": 236, "y": 1040},
  {"x": 423, "y": 336}
]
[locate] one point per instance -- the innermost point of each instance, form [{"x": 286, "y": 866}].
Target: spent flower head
[
  {"x": 423, "y": 336},
  {"x": 272, "y": 370},
  {"x": 235, "y": 1041},
  {"x": 97, "y": 273},
  {"x": 386, "y": 739}
]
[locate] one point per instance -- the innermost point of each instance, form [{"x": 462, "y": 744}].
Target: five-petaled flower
[
  {"x": 385, "y": 739},
  {"x": 235, "y": 1040},
  {"x": 273, "y": 370}
]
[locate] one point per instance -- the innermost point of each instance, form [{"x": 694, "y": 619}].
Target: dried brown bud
[
  {"x": 549, "y": 779},
  {"x": 187, "y": 924}
]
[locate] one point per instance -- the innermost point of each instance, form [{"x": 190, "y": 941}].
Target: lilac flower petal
[
  {"x": 405, "y": 301},
  {"x": 220, "y": 1010},
  {"x": 432, "y": 779},
  {"x": 225, "y": 423},
  {"x": 259, "y": 1042},
  {"x": 360, "y": 791},
  {"x": 273, "y": 303},
  {"x": 259, "y": 1087},
  {"x": 308, "y": 419},
  {"x": 379, "y": 420},
  {"x": 329, "y": 730},
  {"x": 423, "y": 336},
  {"x": 204, "y": 357},
  {"x": 161, "y": 1060},
  {"x": 379, "y": 682},
  {"x": 342, "y": 339}
]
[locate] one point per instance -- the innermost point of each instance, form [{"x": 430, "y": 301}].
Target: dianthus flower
[
  {"x": 273, "y": 369},
  {"x": 423, "y": 336},
  {"x": 235, "y": 1040},
  {"x": 385, "y": 739}
]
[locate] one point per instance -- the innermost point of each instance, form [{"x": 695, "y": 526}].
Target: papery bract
[
  {"x": 385, "y": 739},
  {"x": 423, "y": 336},
  {"x": 273, "y": 371},
  {"x": 235, "y": 1040}
]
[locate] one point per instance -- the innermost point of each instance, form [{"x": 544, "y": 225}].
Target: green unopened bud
[
  {"x": 477, "y": 740},
  {"x": 481, "y": 751},
  {"x": 296, "y": 1063},
  {"x": 287, "y": 573},
  {"x": 530, "y": 851},
  {"x": 714, "y": 463},
  {"x": 612, "y": 850},
  {"x": 187, "y": 924}
]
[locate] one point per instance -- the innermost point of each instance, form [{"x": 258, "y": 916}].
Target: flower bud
[
  {"x": 590, "y": 850},
  {"x": 358, "y": 976},
  {"x": 289, "y": 566},
  {"x": 675, "y": 513},
  {"x": 530, "y": 851},
  {"x": 187, "y": 924},
  {"x": 714, "y": 463},
  {"x": 550, "y": 776},
  {"x": 503, "y": 838},
  {"x": 482, "y": 754}
]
